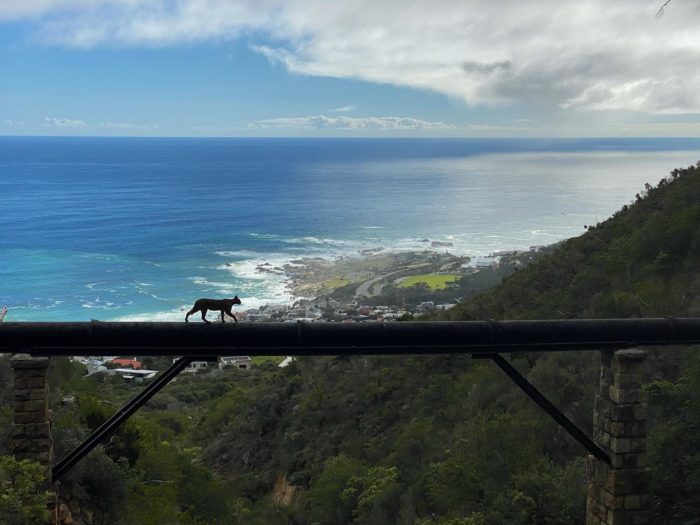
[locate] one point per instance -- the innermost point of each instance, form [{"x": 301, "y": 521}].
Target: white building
[
  {"x": 137, "y": 376},
  {"x": 196, "y": 366},
  {"x": 242, "y": 362}
]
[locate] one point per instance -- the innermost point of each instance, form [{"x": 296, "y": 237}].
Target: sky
[{"x": 356, "y": 68}]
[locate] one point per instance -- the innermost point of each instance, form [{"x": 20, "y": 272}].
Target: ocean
[{"x": 138, "y": 228}]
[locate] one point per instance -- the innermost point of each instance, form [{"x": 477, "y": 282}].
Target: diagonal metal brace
[
  {"x": 547, "y": 406},
  {"x": 110, "y": 426}
]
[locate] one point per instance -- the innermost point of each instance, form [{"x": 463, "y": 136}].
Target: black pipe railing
[{"x": 301, "y": 338}]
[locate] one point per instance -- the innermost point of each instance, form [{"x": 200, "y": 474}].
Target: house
[
  {"x": 425, "y": 306},
  {"x": 445, "y": 306},
  {"x": 486, "y": 262},
  {"x": 242, "y": 362},
  {"x": 196, "y": 366},
  {"x": 94, "y": 365},
  {"x": 468, "y": 268},
  {"x": 126, "y": 362},
  {"x": 137, "y": 376}
]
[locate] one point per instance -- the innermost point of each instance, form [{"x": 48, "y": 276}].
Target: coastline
[
  {"x": 382, "y": 285},
  {"x": 307, "y": 278}
]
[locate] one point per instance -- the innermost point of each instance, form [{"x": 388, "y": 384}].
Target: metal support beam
[
  {"x": 546, "y": 405},
  {"x": 111, "y": 425}
]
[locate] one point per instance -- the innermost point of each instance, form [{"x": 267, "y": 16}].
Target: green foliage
[
  {"x": 674, "y": 446},
  {"x": 63, "y": 374},
  {"x": 5, "y": 403},
  {"x": 22, "y": 499},
  {"x": 329, "y": 500},
  {"x": 125, "y": 443},
  {"x": 498, "y": 473},
  {"x": 375, "y": 494}
]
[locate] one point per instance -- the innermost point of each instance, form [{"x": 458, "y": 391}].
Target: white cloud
[
  {"x": 586, "y": 55},
  {"x": 647, "y": 94},
  {"x": 63, "y": 122},
  {"x": 344, "y": 109},
  {"x": 349, "y": 123},
  {"x": 19, "y": 123}
]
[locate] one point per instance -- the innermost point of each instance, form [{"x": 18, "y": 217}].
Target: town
[{"x": 387, "y": 287}]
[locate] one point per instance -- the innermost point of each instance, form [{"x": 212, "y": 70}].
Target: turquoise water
[{"x": 139, "y": 228}]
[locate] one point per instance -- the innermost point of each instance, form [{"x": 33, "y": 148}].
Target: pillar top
[
  {"x": 631, "y": 354},
  {"x": 27, "y": 361}
]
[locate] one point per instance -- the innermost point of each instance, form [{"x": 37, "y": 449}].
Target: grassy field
[
  {"x": 260, "y": 359},
  {"x": 433, "y": 280},
  {"x": 334, "y": 283}
]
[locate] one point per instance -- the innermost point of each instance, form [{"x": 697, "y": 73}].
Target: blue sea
[{"x": 137, "y": 228}]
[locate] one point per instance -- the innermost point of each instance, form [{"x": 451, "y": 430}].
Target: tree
[{"x": 22, "y": 499}]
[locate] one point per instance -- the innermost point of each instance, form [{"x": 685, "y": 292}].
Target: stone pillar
[
  {"x": 31, "y": 420},
  {"x": 618, "y": 494}
]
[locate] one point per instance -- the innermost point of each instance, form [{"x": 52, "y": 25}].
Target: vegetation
[
  {"x": 439, "y": 440},
  {"x": 22, "y": 499},
  {"x": 433, "y": 281}
]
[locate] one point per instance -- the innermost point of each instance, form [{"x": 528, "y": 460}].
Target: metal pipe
[{"x": 98, "y": 338}]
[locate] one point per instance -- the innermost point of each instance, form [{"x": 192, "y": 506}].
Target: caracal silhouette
[{"x": 222, "y": 305}]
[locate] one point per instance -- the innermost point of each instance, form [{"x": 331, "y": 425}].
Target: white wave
[
  {"x": 261, "y": 280},
  {"x": 169, "y": 315},
  {"x": 253, "y": 303},
  {"x": 238, "y": 253},
  {"x": 178, "y": 314},
  {"x": 98, "y": 304},
  {"x": 154, "y": 296},
  {"x": 252, "y": 269},
  {"x": 270, "y": 236},
  {"x": 316, "y": 240},
  {"x": 205, "y": 282}
]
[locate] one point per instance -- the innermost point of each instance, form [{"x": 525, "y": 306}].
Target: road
[{"x": 365, "y": 289}]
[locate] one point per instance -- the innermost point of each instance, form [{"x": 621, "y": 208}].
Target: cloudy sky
[{"x": 434, "y": 68}]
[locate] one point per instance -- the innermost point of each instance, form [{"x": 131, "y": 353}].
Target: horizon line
[{"x": 372, "y": 137}]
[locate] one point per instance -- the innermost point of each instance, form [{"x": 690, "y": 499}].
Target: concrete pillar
[
  {"x": 31, "y": 420},
  {"x": 618, "y": 494}
]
